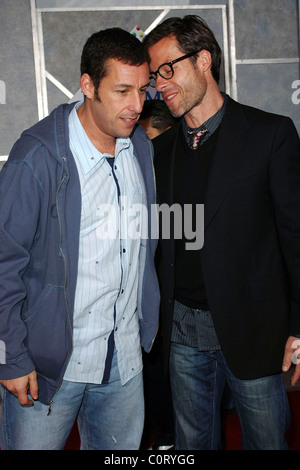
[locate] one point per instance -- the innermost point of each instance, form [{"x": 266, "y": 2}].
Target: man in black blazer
[{"x": 231, "y": 309}]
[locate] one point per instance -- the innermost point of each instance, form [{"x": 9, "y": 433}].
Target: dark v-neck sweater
[{"x": 191, "y": 166}]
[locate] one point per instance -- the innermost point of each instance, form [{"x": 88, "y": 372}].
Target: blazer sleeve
[{"x": 285, "y": 189}]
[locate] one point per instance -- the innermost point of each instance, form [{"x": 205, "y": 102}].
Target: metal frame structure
[
  {"x": 37, "y": 32},
  {"x": 226, "y": 7}
]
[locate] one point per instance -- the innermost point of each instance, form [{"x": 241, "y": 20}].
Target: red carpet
[{"x": 232, "y": 428}]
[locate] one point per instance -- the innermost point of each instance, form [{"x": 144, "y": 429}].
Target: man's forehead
[
  {"x": 165, "y": 50},
  {"x": 126, "y": 74}
]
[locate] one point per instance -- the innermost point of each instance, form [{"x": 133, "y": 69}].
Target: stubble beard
[{"x": 193, "y": 97}]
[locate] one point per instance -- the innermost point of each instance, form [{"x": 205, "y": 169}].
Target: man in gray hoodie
[{"x": 79, "y": 290}]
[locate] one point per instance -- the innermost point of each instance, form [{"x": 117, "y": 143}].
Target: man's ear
[
  {"x": 87, "y": 86},
  {"x": 204, "y": 59}
]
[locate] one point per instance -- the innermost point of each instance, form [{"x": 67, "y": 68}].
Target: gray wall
[
  {"x": 18, "y": 106},
  {"x": 41, "y": 42}
]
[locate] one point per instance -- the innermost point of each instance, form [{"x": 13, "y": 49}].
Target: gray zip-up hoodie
[{"x": 40, "y": 208}]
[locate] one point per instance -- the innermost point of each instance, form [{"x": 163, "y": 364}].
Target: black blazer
[{"x": 251, "y": 253}]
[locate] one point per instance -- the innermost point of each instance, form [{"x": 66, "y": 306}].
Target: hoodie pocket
[{"x": 48, "y": 333}]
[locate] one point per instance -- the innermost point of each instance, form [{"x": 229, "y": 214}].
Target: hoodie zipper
[
  {"x": 65, "y": 281},
  {"x": 153, "y": 171},
  {"x": 155, "y": 197}
]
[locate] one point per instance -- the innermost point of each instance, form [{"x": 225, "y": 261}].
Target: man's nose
[
  {"x": 137, "y": 103},
  {"x": 160, "y": 83}
]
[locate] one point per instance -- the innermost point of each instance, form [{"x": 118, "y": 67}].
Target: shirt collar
[
  {"x": 211, "y": 124},
  {"x": 87, "y": 154}
]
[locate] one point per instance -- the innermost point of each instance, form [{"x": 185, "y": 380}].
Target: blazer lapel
[{"x": 227, "y": 158}]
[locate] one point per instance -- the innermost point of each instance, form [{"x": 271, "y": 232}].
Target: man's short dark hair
[
  {"x": 158, "y": 113},
  {"x": 192, "y": 34},
  {"x": 112, "y": 43}
]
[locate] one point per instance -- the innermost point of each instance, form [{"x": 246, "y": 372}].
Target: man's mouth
[
  {"x": 130, "y": 121},
  {"x": 169, "y": 97}
]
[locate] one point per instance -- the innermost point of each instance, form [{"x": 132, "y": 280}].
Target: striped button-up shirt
[{"x": 105, "y": 317}]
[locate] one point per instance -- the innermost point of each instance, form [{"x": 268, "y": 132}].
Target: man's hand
[
  {"x": 292, "y": 351},
  {"x": 21, "y": 386}
]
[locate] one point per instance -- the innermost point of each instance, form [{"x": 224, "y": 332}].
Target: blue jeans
[
  {"x": 197, "y": 383},
  {"x": 110, "y": 417}
]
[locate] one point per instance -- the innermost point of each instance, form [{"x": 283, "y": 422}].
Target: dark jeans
[{"x": 197, "y": 383}]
